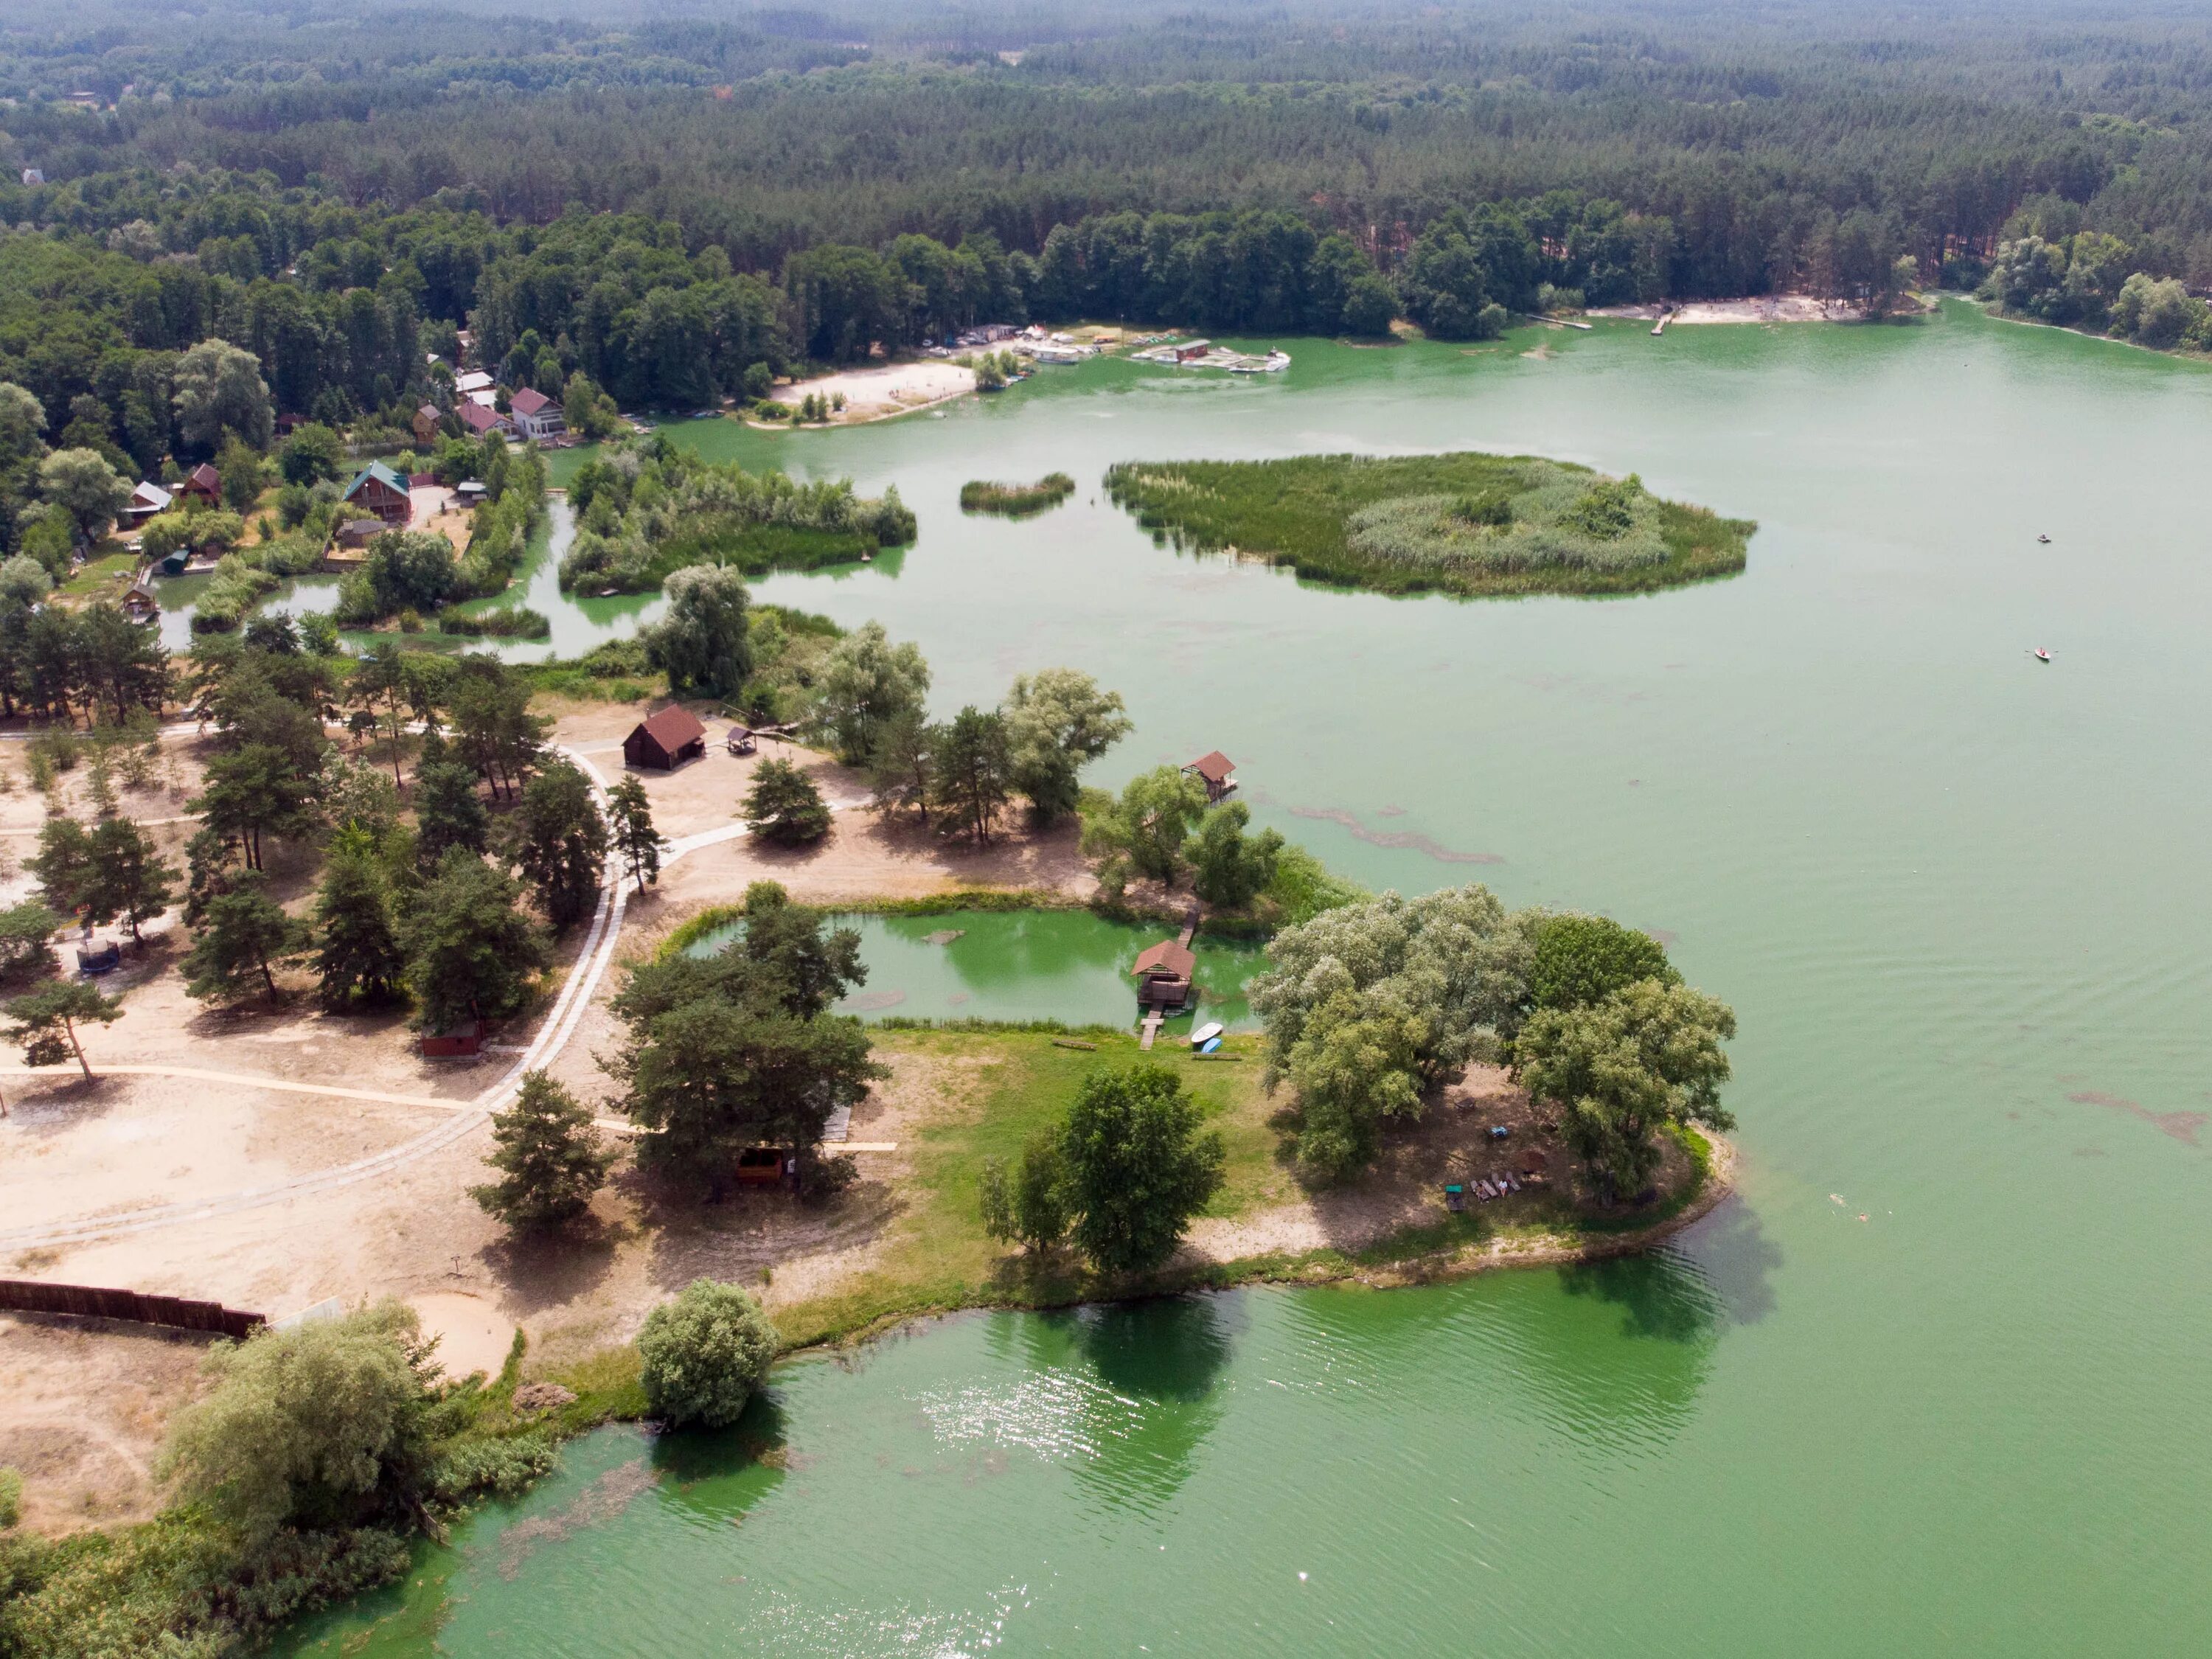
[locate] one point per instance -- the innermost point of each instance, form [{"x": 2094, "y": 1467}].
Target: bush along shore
[
  {"x": 1466, "y": 523},
  {"x": 647, "y": 508},
  {"x": 1016, "y": 501}
]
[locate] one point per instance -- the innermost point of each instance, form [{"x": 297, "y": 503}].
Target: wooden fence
[{"x": 178, "y": 1313}]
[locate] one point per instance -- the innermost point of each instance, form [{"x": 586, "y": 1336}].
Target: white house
[{"x": 535, "y": 415}]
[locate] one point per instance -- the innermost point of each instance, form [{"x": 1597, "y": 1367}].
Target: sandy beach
[
  {"x": 1761, "y": 308},
  {"x": 874, "y": 394}
]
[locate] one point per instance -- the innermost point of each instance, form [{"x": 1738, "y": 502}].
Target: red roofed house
[
  {"x": 1217, "y": 772},
  {"x": 536, "y": 415},
  {"x": 202, "y": 484},
  {"x": 481, "y": 418},
  {"x": 665, "y": 741},
  {"x": 1163, "y": 975}
]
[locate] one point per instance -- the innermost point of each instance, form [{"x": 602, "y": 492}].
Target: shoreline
[{"x": 1371, "y": 1267}]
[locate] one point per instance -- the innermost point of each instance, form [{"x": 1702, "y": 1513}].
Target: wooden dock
[
  {"x": 1150, "y": 1029},
  {"x": 1660, "y": 327}
]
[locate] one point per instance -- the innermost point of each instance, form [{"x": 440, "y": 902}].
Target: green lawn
[
  {"x": 999, "y": 1089},
  {"x": 102, "y": 576}
]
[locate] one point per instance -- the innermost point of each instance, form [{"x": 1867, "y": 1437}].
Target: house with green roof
[{"x": 378, "y": 491}]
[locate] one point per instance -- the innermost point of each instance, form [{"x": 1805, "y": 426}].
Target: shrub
[
  {"x": 704, "y": 1354},
  {"x": 784, "y": 806},
  {"x": 308, "y": 1426},
  {"x": 1016, "y": 499},
  {"x": 508, "y": 621}
]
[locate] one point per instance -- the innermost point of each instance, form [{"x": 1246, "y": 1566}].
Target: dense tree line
[{"x": 668, "y": 210}]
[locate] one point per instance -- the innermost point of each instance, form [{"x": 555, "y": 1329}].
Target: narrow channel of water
[
  {"x": 1019, "y": 965},
  {"x": 1930, "y": 1386}
]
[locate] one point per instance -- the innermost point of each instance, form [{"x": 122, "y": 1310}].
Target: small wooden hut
[
  {"x": 665, "y": 741},
  {"x": 1163, "y": 975},
  {"x": 1217, "y": 771},
  {"x": 466, "y": 1038}
]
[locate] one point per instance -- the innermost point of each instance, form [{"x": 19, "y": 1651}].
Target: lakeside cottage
[
  {"x": 203, "y": 483},
  {"x": 146, "y": 501},
  {"x": 537, "y": 415},
  {"x": 482, "y": 418},
  {"x": 1163, "y": 975},
  {"x": 665, "y": 741},
  {"x": 1216, "y": 772},
  {"x": 378, "y": 491}
]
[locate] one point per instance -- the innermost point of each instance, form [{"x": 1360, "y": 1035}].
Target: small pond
[{"x": 1067, "y": 965}]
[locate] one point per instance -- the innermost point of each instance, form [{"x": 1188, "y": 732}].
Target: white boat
[{"x": 1210, "y": 1029}]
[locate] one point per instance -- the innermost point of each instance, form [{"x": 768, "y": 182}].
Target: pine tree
[
  {"x": 448, "y": 810},
  {"x": 548, "y": 1157},
  {"x": 784, "y": 806},
  {"x": 246, "y": 934},
  {"x": 359, "y": 959},
  {"x": 129, "y": 880},
  {"x": 635, "y": 838},
  {"x": 561, "y": 842}
]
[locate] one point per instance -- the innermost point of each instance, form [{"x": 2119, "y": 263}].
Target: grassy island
[
  {"x": 1466, "y": 523},
  {"x": 1016, "y": 499},
  {"x": 647, "y": 509}
]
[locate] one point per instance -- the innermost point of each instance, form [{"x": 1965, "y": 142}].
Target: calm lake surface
[
  {"x": 1934, "y": 1384},
  {"x": 1067, "y": 965}
]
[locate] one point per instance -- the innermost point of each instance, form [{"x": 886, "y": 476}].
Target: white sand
[
  {"x": 872, "y": 393},
  {"x": 1763, "y": 308}
]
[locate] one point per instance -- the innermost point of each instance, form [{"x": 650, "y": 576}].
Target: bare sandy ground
[
  {"x": 1763, "y": 308},
  {"x": 892, "y": 389}
]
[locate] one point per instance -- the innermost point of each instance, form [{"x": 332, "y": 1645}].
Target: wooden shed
[
  {"x": 665, "y": 741},
  {"x": 466, "y": 1038}
]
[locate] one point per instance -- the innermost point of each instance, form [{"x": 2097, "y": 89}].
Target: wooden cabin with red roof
[
  {"x": 1163, "y": 975},
  {"x": 665, "y": 741},
  {"x": 203, "y": 483},
  {"x": 1217, "y": 771}
]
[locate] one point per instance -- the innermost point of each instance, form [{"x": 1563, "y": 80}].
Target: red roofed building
[
  {"x": 665, "y": 741},
  {"x": 1164, "y": 974},
  {"x": 481, "y": 418},
  {"x": 536, "y": 415},
  {"x": 1217, "y": 771},
  {"x": 202, "y": 484}
]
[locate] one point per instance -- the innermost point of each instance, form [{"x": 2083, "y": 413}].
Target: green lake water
[
  {"x": 1933, "y": 1383},
  {"x": 1067, "y": 965}
]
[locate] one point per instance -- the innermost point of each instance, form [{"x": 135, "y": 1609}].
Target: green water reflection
[{"x": 1067, "y": 965}]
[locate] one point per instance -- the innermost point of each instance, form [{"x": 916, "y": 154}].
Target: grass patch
[
  {"x": 1469, "y": 523},
  {"x": 501, "y": 622},
  {"x": 1002, "y": 1087},
  {"x": 101, "y": 578},
  {"x": 1016, "y": 501}
]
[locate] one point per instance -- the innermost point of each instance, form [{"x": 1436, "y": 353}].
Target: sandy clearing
[
  {"x": 83, "y": 1407},
  {"x": 472, "y": 1334},
  {"x": 891, "y": 389},
  {"x": 1761, "y": 308}
]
